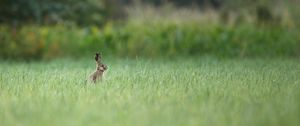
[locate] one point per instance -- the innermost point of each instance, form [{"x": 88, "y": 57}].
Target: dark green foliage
[
  {"x": 81, "y": 12},
  {"x": 264, "y": 14}
]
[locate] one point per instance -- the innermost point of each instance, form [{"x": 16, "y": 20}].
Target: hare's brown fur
[{"x": 100, "y": 68}]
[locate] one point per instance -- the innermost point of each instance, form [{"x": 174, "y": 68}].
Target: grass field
[{"x": 162, "y": 92}]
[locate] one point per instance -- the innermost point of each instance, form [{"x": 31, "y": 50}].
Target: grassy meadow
[
  {"x": 170, "y": 63},
  {"x": 162, "y": 92}
]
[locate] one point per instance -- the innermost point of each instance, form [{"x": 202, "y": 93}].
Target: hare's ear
[{"x": 97, "y": 56}]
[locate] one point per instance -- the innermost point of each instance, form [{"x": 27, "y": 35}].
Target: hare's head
[{"x": 101, "y": 67}]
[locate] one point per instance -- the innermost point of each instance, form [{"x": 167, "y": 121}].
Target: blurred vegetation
[
  {"x": 150, "y": 40},
  {"x": 47, "y": 29},
  {"x": 45, "y": 12}
]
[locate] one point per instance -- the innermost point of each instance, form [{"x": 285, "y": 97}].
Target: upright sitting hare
[{"x": 100, "y": 68}]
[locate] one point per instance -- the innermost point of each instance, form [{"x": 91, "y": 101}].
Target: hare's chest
[{"x": 96, "y": 76}]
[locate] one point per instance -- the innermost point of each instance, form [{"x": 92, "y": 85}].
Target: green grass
[{"x": 161, "y": 92}]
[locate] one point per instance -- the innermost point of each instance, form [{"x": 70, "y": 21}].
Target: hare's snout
[{"x": 100, "y": 68}]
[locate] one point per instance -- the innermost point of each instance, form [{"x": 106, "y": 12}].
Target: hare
[{"x": 100, "y": 68}]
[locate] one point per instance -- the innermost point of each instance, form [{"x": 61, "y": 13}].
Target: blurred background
[{"x": 47, "y": 29}]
